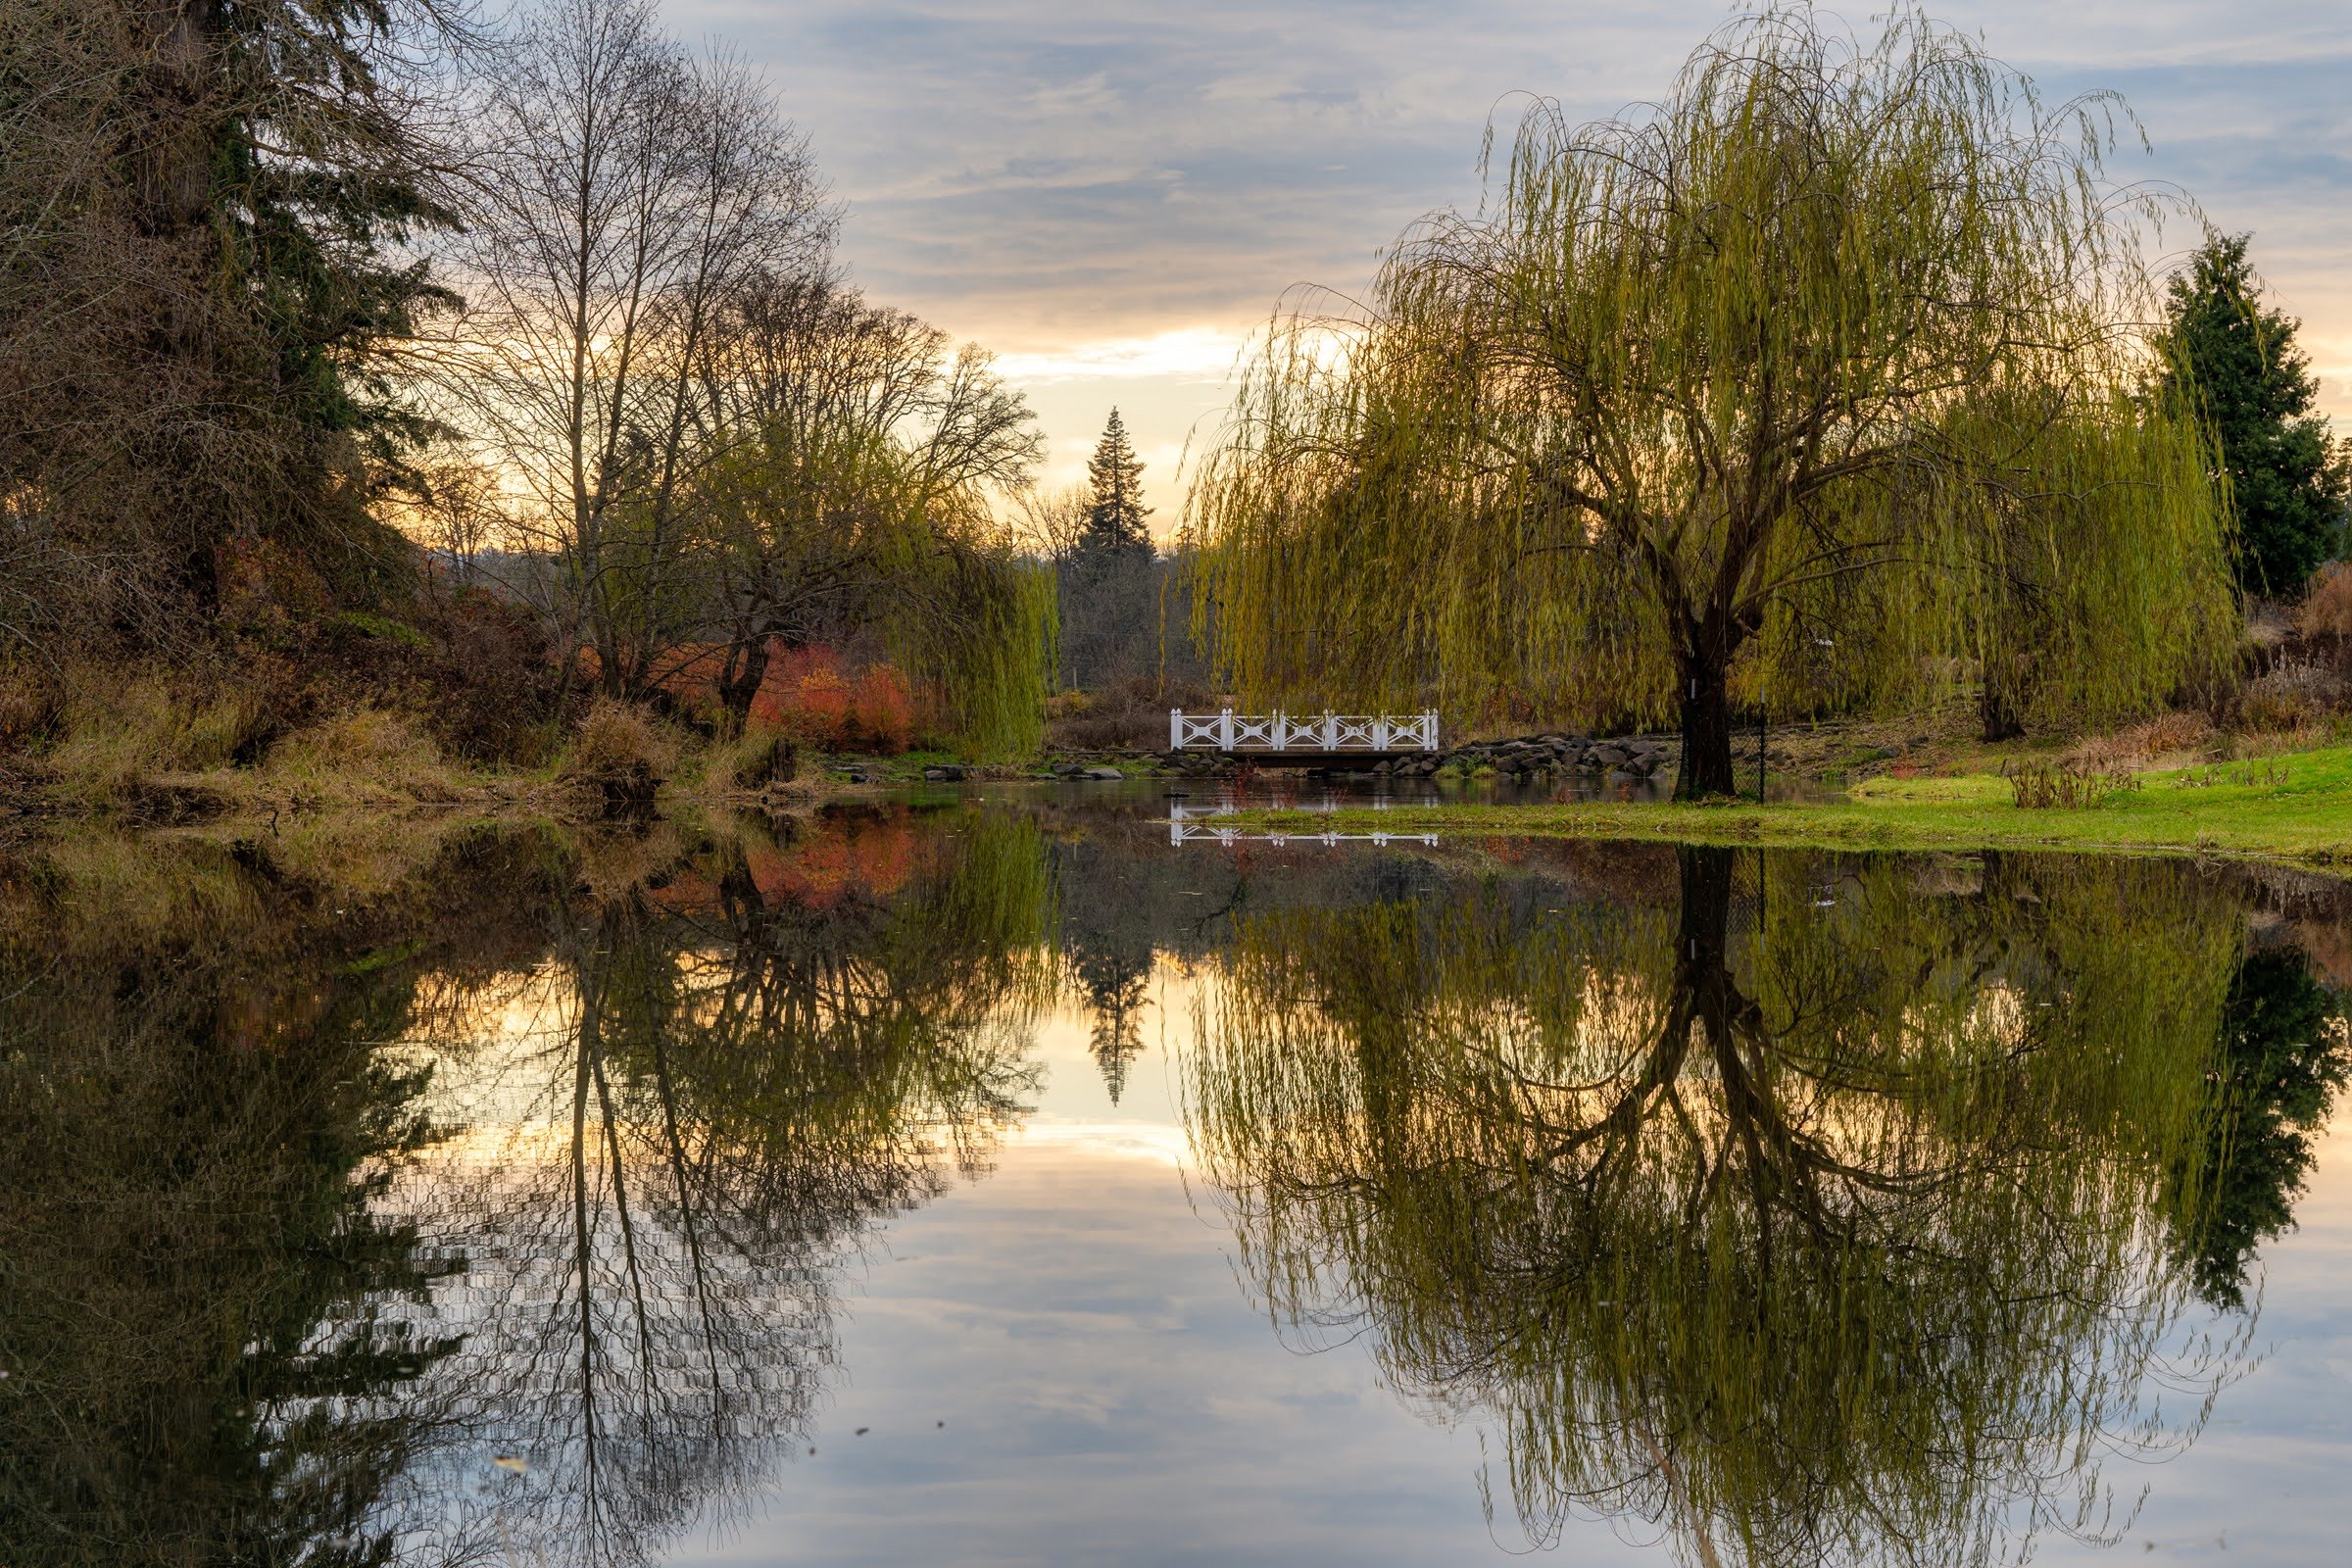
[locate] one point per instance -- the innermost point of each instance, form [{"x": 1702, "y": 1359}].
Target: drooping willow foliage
[
  {"x": 1832, "y": 1221},
  {"x": 1816, "y": 382},
  {"x": 979, "y": 635}
]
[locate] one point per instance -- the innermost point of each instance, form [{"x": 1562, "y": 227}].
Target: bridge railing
[{"x": 1228, "y": 731}]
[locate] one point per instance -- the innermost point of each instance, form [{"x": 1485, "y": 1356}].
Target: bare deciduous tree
[{"x": 622, "y": 189}]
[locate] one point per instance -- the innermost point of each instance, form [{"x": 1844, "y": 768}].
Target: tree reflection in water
[
  {"x": 728, "y": 1079},
  {"x": 1845, "y": 1213},
  {"x": 481, "y": 1219},
  {"x": 487, "y": 1209},
  {"x": 195, "y": 1122}
]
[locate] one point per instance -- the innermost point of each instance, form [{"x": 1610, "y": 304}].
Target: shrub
[
  {"x": 621, "y": 751},
  {"x": 2178, "y": 730},
  {"x": 2295, "y": 694},
  {"x": 1129, "y": 715},
  {"x": 617, "y": 737},
  {"x": 807, "y": 696}
]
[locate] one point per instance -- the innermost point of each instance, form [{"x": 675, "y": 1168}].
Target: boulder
[{"x": 1108, "y": 774}]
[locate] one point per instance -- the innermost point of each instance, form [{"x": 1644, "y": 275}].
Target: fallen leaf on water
[{"x": 507, "y": 1461}]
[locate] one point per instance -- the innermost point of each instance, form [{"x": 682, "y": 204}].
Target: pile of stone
[{"x": 1633, "y": 756}]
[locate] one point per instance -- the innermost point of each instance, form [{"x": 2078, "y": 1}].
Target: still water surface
[{"x": 985, "y": 1179}]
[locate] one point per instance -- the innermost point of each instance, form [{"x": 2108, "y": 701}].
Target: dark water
[{"x": 988, "y": 1180}]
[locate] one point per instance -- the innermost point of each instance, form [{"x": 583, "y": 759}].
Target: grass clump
[
  {"x": 366, "y": 755},
  {"x": 759, "y": 760},
  {"x": 116, "y": 744},
  {"x": 622, "y": 752},
  {"x": 2066, "y": 786}
]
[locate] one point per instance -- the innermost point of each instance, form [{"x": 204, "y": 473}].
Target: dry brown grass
[
  {"x": 369, "y": 755},
  {"x": 1131, "y": 716},
  {"x": 2297, "y": 694},
  {"x": 760, "y": 760},
  {"x": 2168, "y": 737},
  {"x": 2327, "y": 607},
  {"x": 616, "y": 740},
  {"x": 116, "y": 738}
]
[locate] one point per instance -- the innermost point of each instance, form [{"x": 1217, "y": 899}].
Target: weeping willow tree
[
  {"x": 1830, "y": 1222},
  {"x": 1816, "y": 382}
]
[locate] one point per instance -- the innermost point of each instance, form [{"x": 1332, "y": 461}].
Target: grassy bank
[
  {"x": 151, "y": 749},
  {"x": 2294, "y": 807}
]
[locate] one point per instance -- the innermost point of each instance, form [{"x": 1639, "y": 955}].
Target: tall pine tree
[
  {"x": 1108, "y": 627},
  {"x": 1114, "y": 520},
  {"x": 2235, "y": 359}
]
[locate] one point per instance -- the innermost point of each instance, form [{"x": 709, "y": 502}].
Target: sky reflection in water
[{"x": 1362, "y": 1246}]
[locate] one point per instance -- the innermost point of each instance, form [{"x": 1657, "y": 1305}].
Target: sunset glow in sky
[{"x": 1113, "y": 195}]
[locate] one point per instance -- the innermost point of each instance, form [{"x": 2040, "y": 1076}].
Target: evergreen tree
[
  {"x": 2283, "y": 1063},
  {"x": 2236, "y": 360},
  {"x": 1114, "y": 520},
  {"x": 210, "y": 205},
  {"x": 1108, "y": 621}
]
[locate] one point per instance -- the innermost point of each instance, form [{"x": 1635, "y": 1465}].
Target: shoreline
[{"x": 2293, "y": 810}]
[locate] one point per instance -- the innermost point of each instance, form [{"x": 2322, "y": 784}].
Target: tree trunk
[
  {"x": 1706, "y": 731},
  {"x": 739, "y": 680},
  {"x": 1996, "y": 706}
]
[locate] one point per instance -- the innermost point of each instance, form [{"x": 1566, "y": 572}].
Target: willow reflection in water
[{"x": 1833, "y": 1212}]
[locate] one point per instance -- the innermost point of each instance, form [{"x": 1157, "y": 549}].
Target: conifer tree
[
  {"x": 1114, "y": 520},
  {"x": 2234, "y": 361}
]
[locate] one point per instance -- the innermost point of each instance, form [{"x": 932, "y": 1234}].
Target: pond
[{"x": 983, "y": 1178}]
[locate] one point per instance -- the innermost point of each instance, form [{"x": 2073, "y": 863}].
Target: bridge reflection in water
[{"x": 1198, "y": 826}]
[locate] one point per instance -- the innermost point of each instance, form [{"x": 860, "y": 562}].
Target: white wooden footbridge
[{"x": 1303, "y": 741}]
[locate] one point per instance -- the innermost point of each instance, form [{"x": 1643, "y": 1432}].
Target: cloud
[{"x": 1090, "y": 185}]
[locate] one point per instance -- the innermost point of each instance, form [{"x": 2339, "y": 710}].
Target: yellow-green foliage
[
  {"x": 1822, "y": 373},
  {"x": 830, "y": 492}
]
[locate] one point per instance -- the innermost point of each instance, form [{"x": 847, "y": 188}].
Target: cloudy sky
[{"x": 1110, "y": 194}]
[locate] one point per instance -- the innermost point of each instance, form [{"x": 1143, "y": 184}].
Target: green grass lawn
[{"x": 2306, "y": 818}]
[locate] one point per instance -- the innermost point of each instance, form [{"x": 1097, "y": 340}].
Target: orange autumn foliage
[
  {"x": 807, "y": 693},
  {"x": 809, "y": 696},
  {"x": 844, "y": 858}
]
